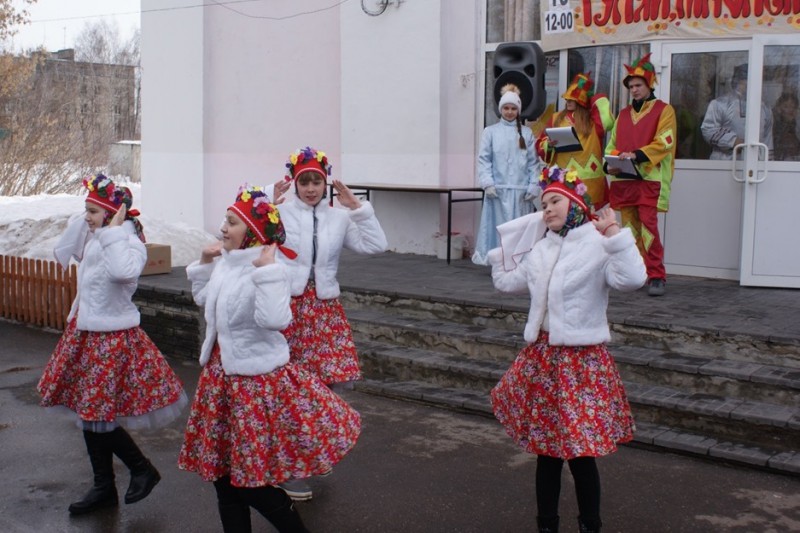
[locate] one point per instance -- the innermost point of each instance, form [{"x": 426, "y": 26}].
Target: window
[
  {"x": 513, "y": 20},
  {"x": 607, "y": 65},
  {"x": 520, "y": 20}
]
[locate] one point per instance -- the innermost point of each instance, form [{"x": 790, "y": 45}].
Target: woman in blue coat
[{"x": 507, "y": 170}]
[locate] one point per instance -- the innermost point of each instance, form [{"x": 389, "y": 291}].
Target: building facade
[{"x": 398, "y": 92}]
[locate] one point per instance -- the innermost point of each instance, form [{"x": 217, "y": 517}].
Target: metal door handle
[
  {"x": 736, "y": 150},
  {"x": 761, "y": 174}
]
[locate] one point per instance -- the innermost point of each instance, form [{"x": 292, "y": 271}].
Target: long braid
[{"x": 522, "y": 145}]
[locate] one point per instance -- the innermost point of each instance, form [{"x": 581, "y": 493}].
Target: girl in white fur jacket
[
  {"x": 563, "y": 398},
  {"x": 105, "y": 368},
  {"x": 319, "y": 336},
  {"x": 257, "y": 420}
]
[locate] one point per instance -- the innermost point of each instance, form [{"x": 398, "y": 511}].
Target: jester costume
[
  {"x": 648, "y": 129},
  {"x": 588, "y": 161}
]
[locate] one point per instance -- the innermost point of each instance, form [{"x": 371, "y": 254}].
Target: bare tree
[
  {"x": 47, "y": 149},
  {"x": 13, "y": 71},
  {"x": 62, "y": 117}
]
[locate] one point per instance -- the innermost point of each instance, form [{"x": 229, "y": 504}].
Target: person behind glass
[
  {"x": 257, "y": 420},
  {"x": 105, "y": 369},
  {"x": 786, "y": 128},
  {"x": 644, "y": 132},
  {"x": 562, "y": 398},
  {"x": 507, "y": 169},
  {"x": 590, "y": 115},
  {"x": 723, "y": 123}
]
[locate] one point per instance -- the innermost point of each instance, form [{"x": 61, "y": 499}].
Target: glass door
[
  {"x": 738, "y": 161},
  {"x": 702, "y": 230},
  {"x": 770, "y": 250}
]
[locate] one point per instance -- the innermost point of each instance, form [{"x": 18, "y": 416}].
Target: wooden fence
[{"x": 35, "y": 291}]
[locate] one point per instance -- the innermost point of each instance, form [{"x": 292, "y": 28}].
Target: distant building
[{"x": 98, "y": 100}]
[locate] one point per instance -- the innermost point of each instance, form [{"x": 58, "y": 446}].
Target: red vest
[{"x": 632, "y": 136}]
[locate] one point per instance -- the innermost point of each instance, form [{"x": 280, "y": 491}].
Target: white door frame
[
  {"x": 713, "y": 250},
  {"x": 769, "y": 256},
  {"x": 758, "y": 243}
]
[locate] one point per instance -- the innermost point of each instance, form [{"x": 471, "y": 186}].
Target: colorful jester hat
[
  {"x": 641, "y": 68},
  {"x": 261, "y": 217},
  {"x": 308, "y": 160},
  {"x": 566, "y": 183},
  {"x": 581, "y": 89}
]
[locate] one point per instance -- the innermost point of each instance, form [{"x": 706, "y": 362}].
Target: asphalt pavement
[{"x": 415, "y": 469}]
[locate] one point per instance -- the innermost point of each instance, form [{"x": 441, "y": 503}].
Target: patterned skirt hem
[{"x": 159, "y": 418}]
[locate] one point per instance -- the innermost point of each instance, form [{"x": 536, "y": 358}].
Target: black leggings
[
  {"x": 266, "y": 500},
  {"x": 587, "y": 486}
]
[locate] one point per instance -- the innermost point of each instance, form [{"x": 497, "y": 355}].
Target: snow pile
[{"x": 31, "y": 225}]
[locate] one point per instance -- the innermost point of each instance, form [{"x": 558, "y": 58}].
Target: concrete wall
[
  {"x": 229, "y": 92},
  {"x": 272, "y": 86},
  {"x": 170, "y": 318},
  {"x": 173, "y": 172},
  {"x": 408, "y": 111},
  {"x": 125, "y": 158}
]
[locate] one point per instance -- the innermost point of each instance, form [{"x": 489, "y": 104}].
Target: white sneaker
[{"x": 297, "y": 489}]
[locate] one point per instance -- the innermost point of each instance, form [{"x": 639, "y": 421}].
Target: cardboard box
[{"x": 159, "y": 259}]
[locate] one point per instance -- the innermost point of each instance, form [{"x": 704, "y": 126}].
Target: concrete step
[
  {"x": 748, "y": 381},
  {"x": 469, "y": 344},
  {"x": 659, "y": 436},
  {"x": 650, "y": 331},
  {"x": 477, "y": 342},
  {"x": 507, "y": 317},
  {"x": 388, "y": 361},
  {"x": 691, "y": 390},
  {"x": 746, "y": 421}
]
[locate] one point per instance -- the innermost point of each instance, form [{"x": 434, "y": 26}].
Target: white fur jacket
[
  {"x": 245, "y": 308},
  {"x": 356, "y": 229},
  {"x": 108, "y": 274},
  {"x": 569, "y": 278}
]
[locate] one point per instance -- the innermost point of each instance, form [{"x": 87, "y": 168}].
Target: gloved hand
[
  {"x": 490, "y": 192},
  {"x": 532, "y": 193}
]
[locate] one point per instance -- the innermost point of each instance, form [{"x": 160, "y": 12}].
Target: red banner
[{"x": 577, "y": 23}]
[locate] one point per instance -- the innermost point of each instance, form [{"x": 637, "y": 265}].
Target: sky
[
  {"x": 55, "y": 24},
  {"x": 31, "y": 225}
]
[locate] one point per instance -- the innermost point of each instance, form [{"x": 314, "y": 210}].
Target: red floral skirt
[
  {"x": 265, "y": 429},
  {"x": 112, "y": 376},
  {"x": 320, "y": 339},
  {"x": 564, "y": 401}
]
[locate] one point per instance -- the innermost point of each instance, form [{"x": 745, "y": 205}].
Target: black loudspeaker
[{"x": 522, "y": 64}]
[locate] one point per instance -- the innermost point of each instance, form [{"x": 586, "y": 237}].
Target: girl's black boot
[
  {"x": 144, "y": 475},
  {"x": 547, "y": 524},
  {"x": 276, "y": 506},
  {"x": 235, "y": 517},
  {"x": 103, "y": 493},
  {"x": 589, "y": 525}
]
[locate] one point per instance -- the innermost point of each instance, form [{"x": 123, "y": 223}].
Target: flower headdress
[
  {"x": 581, "y": 89},
  {"x": 261, "y": 217},
  {"x": 308, "y": 160},
  {"x": 104, "y": 193},
  {"x": 567, "y": 183},
  {"x": 641, "y": 68}
]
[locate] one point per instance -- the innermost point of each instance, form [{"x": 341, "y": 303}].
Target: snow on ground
[{"x": 31, "y": 225}]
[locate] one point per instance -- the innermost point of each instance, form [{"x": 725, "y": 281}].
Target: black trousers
[{"x": 587, "y": 486}]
